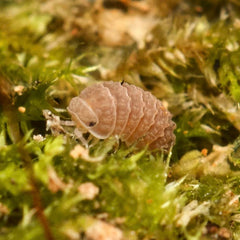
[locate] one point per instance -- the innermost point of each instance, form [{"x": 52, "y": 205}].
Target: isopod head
[
  {"x": 94, "y": 109},
  {"x": 82, "y": 114}
]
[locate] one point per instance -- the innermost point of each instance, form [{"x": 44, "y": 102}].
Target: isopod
[{"x": 134, "y": 115}]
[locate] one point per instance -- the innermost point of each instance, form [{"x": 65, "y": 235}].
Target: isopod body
[{"x": 136, "y": 116}]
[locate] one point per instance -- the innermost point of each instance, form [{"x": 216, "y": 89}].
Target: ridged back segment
[
  {"x": 166, "y": 141},
  {"x": 136, "y": 106},
  {"x": 149, "y": 110},
  {"x": 161, "y": 121},
  {"x": 122, "y": 103},
  {"x": 102, "y": 103}
]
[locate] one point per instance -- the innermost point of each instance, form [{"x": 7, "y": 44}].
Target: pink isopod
[{"x": 113, "y": 109}]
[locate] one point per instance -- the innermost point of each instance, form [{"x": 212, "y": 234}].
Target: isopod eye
[
  {"x": 82, "y": 114},
  {"x": 91, "y": 124}
]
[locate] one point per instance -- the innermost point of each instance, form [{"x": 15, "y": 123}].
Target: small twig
[{"x": 35, "y": 192}]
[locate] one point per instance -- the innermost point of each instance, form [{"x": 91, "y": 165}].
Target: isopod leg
[
  {"x": 85, "y": 142},
  {"x": 79, "y": 135}
]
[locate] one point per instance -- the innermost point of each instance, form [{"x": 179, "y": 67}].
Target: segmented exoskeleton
[{"x": 136, "y": 116}]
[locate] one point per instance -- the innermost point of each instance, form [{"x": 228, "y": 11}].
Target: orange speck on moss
[
  {"x": 204, "y": 152},
  {"x": 149, "y": 201}
]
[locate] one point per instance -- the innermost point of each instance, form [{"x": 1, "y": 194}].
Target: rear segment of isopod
[
  {"x": 167, "y": 140},
  {"x": 162, "y": 121}
]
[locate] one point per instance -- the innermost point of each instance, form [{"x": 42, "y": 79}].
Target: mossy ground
[{"x": 188, "y": 57}]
